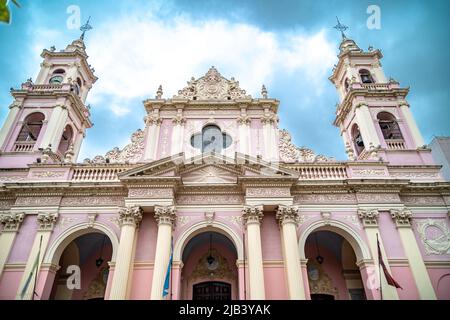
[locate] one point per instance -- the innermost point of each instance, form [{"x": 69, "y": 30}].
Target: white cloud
[{"x": 133, "y": 56}]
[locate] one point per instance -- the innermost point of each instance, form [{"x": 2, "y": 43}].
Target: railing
[
  {"x": 395, "y": 144},
  {"x": 319, "y": 171},
  {"x": 23, "y": 146},
  {"x": 97, "y": 173},
  {"x": 376, "y": 86},
  {"x": 364, "y": 155}
]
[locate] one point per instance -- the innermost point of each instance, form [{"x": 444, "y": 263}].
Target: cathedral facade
[{"x": 212, "y": 200}]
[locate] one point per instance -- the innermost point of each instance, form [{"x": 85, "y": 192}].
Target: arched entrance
[
  {"x": 209, "y": 268},
  {"x": 87, "y": 255},
  {"x": 331, "y": 268}
]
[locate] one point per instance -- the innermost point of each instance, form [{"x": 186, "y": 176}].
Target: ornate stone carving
[
  {"x": 47, "y": 220},
  {"x": 369, "y": 217},
  {"x": 11, "y": 221},
  {"x": 268, "y": 192},
  {"x": 91, "y": 219},
  {"x": 369, "y": 172},
  {"x": 179, "y": 120},
  {"x": 209, "y": 217},
  {"x": 150, "y": 193},
  {"x": 38, "y": 201},
  {"x": 6, "y": 204},
  {"x": 319, "y": 281},
  {"x": 97, "y": 287},
  {"x": 92, "y": 201},
  {"x": 402, "y": 217},
  {"x": 377, "y": 197},
  {"x": 212, "y": 86},
  {"x": 237, "y": 220},
  {"x": 210, "y": 199},
  {"x": 270, "y": 119},
  {"x": 48, "y": 174},
  {"x": 327, "y": 198},
  {"x": 291, "y": 153},
  {"x": 152, "y": 119},
  {"x": 287, "y": 214},
  {"x": 353, "y": 219},
  {"x": 435, "y": 236},
  {"x": 209, "y": 174},
  {"x": 130, "y": 216},
  {"x": 12, "y": 178},
  {"x": 243, "y": 120},
  {"x": 130, "y": 153},
  {"x": 252, "y": 214},
  {"x": 418, "y": 200},
  {"x": 182, "y": 220},
  {"x": 165, "y": 215},
  {"x": 326, "y": 218}
]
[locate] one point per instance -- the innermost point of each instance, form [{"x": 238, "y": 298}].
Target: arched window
[
  {"x": 389, "y": 126},
  {"x": 366, "y": 77},
  {"x": 31, "y": 128},
  {"x": 66, "y": 140},
  {"x": 357, "y": 139},
  {"x": 212, "y": 139},
  {"x": 57, "y": 76}
]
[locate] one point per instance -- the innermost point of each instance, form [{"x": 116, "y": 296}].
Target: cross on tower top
[
  {"x": 341, "y": 28},
  {"x": 85, "y": 27}
]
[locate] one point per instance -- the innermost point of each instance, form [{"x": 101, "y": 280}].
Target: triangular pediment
[{"x": 208, "y": 168}]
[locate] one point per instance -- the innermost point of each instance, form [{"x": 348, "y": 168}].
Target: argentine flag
[{"x": 169, "y": 269}]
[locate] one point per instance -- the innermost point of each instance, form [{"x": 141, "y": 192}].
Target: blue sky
[{"x": 290, "y": 46}]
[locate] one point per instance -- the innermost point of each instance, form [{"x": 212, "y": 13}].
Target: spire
[
  {"x": 85, "y": 27},
  {"x": 341, "y": 28}
]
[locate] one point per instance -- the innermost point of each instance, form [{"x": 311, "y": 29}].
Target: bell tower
[
  {"x": 48, "y": 118},
  {"x": 373, "y": 114}
]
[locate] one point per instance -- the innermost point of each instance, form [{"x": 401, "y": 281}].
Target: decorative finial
[
  {"x": 52, "y": 48},
  {"x": 264, "y": 92},
  {"x": 341, "y": 28},
  {"x": 85, "y": 27},
  {"x": 370, "y": 48},
  {"x": 159, "y": 92}
]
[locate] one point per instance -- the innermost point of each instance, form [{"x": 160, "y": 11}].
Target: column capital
[
  {"x": 11, "y": 221},
  {"x": 152, "y": 120},
  {"x": 252, "y": 214},
  {"x": 243, "y": 120},
  {"x": 16, "y": 104},
  {"x": 401, "y": 217},
  {"x": 287, "y": 214},
  {"x": 361, "y": 104},
  {"x": 165, "y": 215},
  {"x": 130, "y": 216},
  {"x": 47, "y": 220},
  {"x": 179, "y": 120},
  {"x": 369, "y": 217},
  {"x": 270, "y": 119}
]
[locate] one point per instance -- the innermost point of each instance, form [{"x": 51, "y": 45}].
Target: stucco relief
[
  {"x": 325, "y": 198},
  {"x": 236, "y": 220},
  {"x": 412, "y": 175},
  {"x": 202, "y": 271},
  {"x": 369, "y": 172},
  {"x": 419, "y": 200},
  {"x": 132, "y": 152},
  {"x": 378, "y": 197},
  {"x": 92, "y": 201},
  {"x": 353, "y": 220},
  {"x": 435, "y": 236},
  {"x": 12, "y": 178},
  {"x": 268, "y": 192},
  {"x": 212, "y": 86},
  {"x": 6, "y": 204},
  {"x": 66, "y": 221},
  {"x": 210, "y": 199},
  {"x": 38, "y": 201},
  {"x": 48, "y": 174},
  {"x": 150, "y": 193},
  {"x": 209, "y": 174},
  {"x": 291, "y": 153}
]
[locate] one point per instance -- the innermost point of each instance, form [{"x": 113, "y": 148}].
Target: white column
[
  {"x": 252, "y": 216},
  {"x": 43, "y": 73},
  {"x": 165, "y": 217},
  {"x": 46, "y": 223},
  {"x": 129, "y": 219},
  {"x": 77, "y": 145},
  {"x": 177, "y": 134},
  {"x": 287, "y": 218},
  {"x": 370, "y": 222},
  {"x": 8, "y": 124},
  {"x": 402, "y": 220},
  {"x": 244, "y": 133},
  {"x": 55, "y": 127},
  {"x": 153, "y": 123},
  {"x": 366, "y": 126},
  {"x": 413, "y": 128},
  {"x": 11, "y": 224}
]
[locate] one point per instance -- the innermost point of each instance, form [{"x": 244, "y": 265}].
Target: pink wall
[
  {"x": 391, "y": 239},
  {"x": 9, "y": 283},
  {"x": 146, "y": 241},
  {"x": 270, "y": 238},
  {"x": 275, "y": 282},
  {"x": 24, "y": 240}
]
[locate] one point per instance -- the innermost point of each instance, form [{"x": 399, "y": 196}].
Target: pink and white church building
[{"x": 212, "y": 184}]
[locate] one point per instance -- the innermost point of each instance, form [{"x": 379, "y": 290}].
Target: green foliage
[{"x": 5, "y": 15}]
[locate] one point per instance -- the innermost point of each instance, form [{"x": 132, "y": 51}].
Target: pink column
[
  {"x": 109, "y": 282},
  {"x": 45, "y": 282},
  {"x": 241, "y": 282},
  {"x": 306, "y": 281},
  {"x": 176, "y": 280},
  {"x": 370, "y": 280}
]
